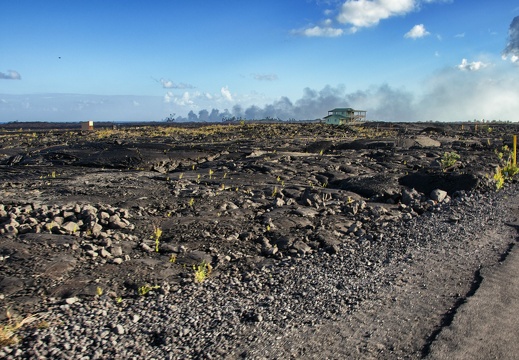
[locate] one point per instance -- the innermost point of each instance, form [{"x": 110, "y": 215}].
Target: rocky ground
[{"x": 253, "y": 241}]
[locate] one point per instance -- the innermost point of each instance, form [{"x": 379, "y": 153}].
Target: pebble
[
  {"x": 104, "y": 253},
  {"x": 116, "y": 250},
  {"x": 119, "y": 329},
  {"x": 71, "y": 300}
]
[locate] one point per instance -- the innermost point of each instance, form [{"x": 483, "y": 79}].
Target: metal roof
[{"x": 341, "y": 109}]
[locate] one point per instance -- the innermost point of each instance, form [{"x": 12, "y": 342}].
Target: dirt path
[{"x": 487, "y": 325}]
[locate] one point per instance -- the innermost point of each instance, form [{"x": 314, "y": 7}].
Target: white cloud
[
  {"x": 367, "y": 13},
  {"x": 10, "y": 75},
  {"x": 168, "y": 97},
  {"x": 357, "y": 14},
  {"x": 318, "y": 31},
  {"x": 186, "y": 99},
  {"x": 418, "y": 31},
  {"x": 472, "y": 66},
  {"x": 226, "y": 93},
  {"x": 461, "y": 35},
  {"x": 168, "y": 84},
  {"x": 265, "y": 77}
]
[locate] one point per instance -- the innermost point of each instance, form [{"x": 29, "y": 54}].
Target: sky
[{"x": 133, "y": 60}]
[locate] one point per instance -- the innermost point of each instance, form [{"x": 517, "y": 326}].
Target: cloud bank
[
  {"x": 457, "y": 93},
  {"x": 78, "y": 107}
]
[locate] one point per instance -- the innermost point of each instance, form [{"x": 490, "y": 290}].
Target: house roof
[
  {"x": 341, "y": 109},
  {"x": 345, "y": 110}
]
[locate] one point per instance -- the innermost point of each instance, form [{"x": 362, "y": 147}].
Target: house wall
[
  {"x": 87, "y": 125},
  {"x": 333, "y": 120}
]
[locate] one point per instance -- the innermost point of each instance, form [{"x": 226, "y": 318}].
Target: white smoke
[{"x": 512, "y": 48}]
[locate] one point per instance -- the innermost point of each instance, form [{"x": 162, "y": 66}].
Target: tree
[{"x": 170, "y": 118}]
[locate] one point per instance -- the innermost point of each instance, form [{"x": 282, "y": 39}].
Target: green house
[{"x": 345, "y": 116}]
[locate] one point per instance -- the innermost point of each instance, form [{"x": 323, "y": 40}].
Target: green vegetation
[
  {"x": 157, "y": 234},
  {"x": 143, "y": 290},
  {"x": 449, "y": 159},
  {"x": 11, "y": 326},
  {"x": 499, "y": 178},
  {"x": 202, "y": 271},
  {"x": 507, "y": 169}
]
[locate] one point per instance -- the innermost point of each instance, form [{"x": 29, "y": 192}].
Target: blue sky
[{"x": 411, "y": 60}]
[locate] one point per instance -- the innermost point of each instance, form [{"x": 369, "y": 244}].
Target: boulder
[
  {"x": 425, "y": 141},
  {"x": 438, "y": 195}
]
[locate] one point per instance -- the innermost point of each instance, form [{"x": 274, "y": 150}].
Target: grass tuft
[{"x": 8, "y": 330}]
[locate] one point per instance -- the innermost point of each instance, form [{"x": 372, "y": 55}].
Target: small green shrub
[
  {"x": 499, "y": 178},
  {"x": 508, "y": 169},
  {"x": 449, "y": 159},
  {"x": 143, "y": 290},
  {"x": 202, "y": 271},
  {"x": 157, "y": 234}
]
